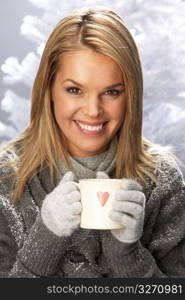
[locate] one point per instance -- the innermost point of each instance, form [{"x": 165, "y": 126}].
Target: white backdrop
[{"x": 159, "y": 30}]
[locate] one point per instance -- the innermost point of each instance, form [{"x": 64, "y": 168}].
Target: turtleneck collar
[{"x": 86, "y": 167}]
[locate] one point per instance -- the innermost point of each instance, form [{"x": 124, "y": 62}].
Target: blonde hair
[{"x": 42, "y": 143}]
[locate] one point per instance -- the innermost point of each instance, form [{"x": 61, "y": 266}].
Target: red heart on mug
[{"x": 103, "y": 197}]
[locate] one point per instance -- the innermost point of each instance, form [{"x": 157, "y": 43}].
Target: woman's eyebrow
[
  {"x": 114, "y": 85},
  {"x": 73, "y": 81},
  {"x": 79, "y": 84}
]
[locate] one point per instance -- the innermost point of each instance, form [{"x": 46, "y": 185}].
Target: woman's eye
[
  {"x": 112, "y": 92},
  {"x": 73, "y": 90}
]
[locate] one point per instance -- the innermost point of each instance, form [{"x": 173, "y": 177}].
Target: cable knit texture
[{"x": 28, "y": 248}]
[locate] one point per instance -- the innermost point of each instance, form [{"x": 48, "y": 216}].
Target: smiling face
[{"x": 89, "y": 101}]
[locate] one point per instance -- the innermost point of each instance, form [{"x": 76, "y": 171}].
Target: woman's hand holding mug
[
  {"x": 128, "y": 209},
  {"x": 61, "y": 209}
]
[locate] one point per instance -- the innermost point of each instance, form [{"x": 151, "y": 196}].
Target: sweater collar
[{"x": 86, "y": 167}]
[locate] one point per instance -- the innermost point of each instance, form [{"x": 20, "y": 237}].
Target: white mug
[{"x": 96, "y": 198}]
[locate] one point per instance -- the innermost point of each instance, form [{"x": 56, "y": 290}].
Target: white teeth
[{"x": 91, "y": 128}]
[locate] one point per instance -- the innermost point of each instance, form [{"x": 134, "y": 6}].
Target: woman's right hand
[{"x": 61, "y": 209}]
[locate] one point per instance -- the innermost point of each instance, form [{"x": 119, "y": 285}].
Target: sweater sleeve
[
  {"x": 38, "y": 257},
  {"x": 122, "y": 261},
  {"x": 161, "y": 250},
  {"x": 40, "y": 250}
]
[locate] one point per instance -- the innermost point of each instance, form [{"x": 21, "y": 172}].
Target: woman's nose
[{"x": 93, "y": 107}]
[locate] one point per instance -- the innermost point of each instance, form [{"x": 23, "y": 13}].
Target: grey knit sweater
[{"x": 29, "y": 249}]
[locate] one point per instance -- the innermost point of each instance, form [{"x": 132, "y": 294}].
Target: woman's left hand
[{"x": 128, "y": 210}]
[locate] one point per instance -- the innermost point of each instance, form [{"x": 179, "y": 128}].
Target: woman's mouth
[{"x": 90, "y": 128}]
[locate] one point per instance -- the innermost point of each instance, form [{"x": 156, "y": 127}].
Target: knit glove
[
  {"x": 61, "y": 209},
  {"x": 128, "y": 210}
]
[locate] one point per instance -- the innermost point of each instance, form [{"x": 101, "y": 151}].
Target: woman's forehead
[{"x": 89, "y": 65}]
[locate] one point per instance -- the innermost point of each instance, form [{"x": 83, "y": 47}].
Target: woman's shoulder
[
  {"x": 168, "y": 166},
  {"x": 9, "y": 152},
  {"x": 8, "y": 156}
]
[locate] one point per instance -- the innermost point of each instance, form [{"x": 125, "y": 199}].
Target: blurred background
[{"x": 158, "y": 28}]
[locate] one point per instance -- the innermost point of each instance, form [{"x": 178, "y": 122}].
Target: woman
[{"x": 86, "y": 122}]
